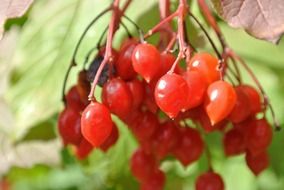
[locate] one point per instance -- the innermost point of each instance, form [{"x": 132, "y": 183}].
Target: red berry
[
  {"x": 207, "y": 65},
  {"x": 84, "y": 149},
  {"x": 117, "y": 96},
  {"x": 73, "y": 100},
  {"x": 69, "y": 126},
  {"x": 146, "y": 126},
  {"x": 146, "y": 61},
  {"x": 257, "y": 163},
  {"x": 149, "y": 100},
  {"x": 209, "y": 181},
  {"x": 190, "y": 147},
  {"x": 234, "y": 142},
  {"x": 142, "y": 164},
  {"x": 123, "y": 64},
  {"x": 197, "y": 88},
  {"x": 83, "y": 87},
  {"x": 242, "y": 109},
  {"x": 259, "y": 136},
  {"x": 96, "y": 123},
  {"x": 220, "y": 101},
  {"x": 255, "y": 102},
  {"x": 137, "y": 90},
  {"x": 155, "y": 181},
  {"x": 111, "y": 140},
  {"x": 171, "y": 94}
]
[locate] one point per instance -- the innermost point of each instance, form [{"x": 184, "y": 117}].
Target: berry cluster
[{"x": 139, "y": 85}]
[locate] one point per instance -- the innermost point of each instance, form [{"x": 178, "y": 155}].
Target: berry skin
[
  {"x": 207, "y": 65},
  {"x": 83, "y": 150},
  {"x": 190, "y": 140},
  {"x": 259, "y": 136},
  {"x": 220, "y": 101},
  {"x": 242, "y": 108},
  {"x": 69, "y": 126},
  {"x": 149, "y": 100},
  {"x": 96, "y": 123},
  {"x": 117, "y": 96},
  {"x": 155, "y": 181},
  {"x": 123, "y": 64},
  {"x": 171, "y": 94},
  {"x": 73, "y": 100},
  {"x": 137, "y": 90},
  {"x": 234, "y": 143},
  {"x": 197, "y": 88},
  {"x": 142, "y": 164},
  {"x": 255, "y": 102},
  {"x": 111, "y": 140},
  {"x": 257, "y": 163},
  {"x": 146, "y": 61},
  {"x": 209, "y": 181}
]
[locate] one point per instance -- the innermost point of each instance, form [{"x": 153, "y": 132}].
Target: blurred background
[{"x": 34, "y": 55}]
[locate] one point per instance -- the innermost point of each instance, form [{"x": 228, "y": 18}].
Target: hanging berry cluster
[{"x": 168, "y": 107}]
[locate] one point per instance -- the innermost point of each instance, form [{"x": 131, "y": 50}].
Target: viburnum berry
[
  {"x": 155, "y": 181},
  {"x": 209, "y": 181},
  {"x": 207, "y": 65},
  {"x": 171, "y": 94},
  {"x": 142, "y": 164},
  {"x": 234, "y": 142},
  {"x": 146, "y": 61},
  {"x": 96, "y": 123},
  {"x": 190, "y": 146},
  {"x": 73, "y": 99},
  {"x": 137, "y": 90},
  {"x": 83, "y": 87},
  {"x": 255, "y": 101},
  {"x": 197, "y": 88},
  {"x": 149, "y": 100},
  {"x": 111, "y": 140},
  {"x": 257, "y": 163},
  {"x": 83, "y": 150},
  {"x": 220, "y": 101},
  {"x": 123, "y": 64},
  {"x": 117, "y": 96},
  {"x": 259, "y": 136},
  {"x": 242, "y": 109},
  {"x": 69, "y": 126}
]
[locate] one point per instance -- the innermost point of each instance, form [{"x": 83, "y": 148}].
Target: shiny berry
[
  {"x": 220, "y": 101},
  {"x": 207, "y": 65},
  {"x": 111, "y": 140},
  {"x": 146, "y": 61},
  {"x": 209, "y": 181},
  {"x": 117, "y": 96},
  {"x": 171, "y": 94},
  {"x": 96, "y": 123},
  {"x": 234, "y": 142},
  {"x": 137, "y": 90},
  {"x": 69, "y": 126},
  {"x": 255, "y": 101}
]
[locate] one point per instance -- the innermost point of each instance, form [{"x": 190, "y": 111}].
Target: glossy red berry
[
  {"x": 234, "y": 142},
  {"x": 209, "y": 181},
  {"x": 255, "y": 101},
  {"x": 69, "y": 126},
  {"x": 111, "y": 140},
  {"x": 220, "y": 101},
  {"x": 123, "y": 64},
  {"x": 207, "y": 65},
  {"x": 190, "y": 148},
  {"x": 73, "y": 99},
  {"x": 142, "y": 164},
  {"x": 259, "y": 136},
  {"x": 242, "y": 108},
  {"x": 96, "y": 123},
  {"x": 137, "y": 90},
  {"x": 146, "y": 61},
  {"x": 171, "y": 94},
  {"x": 197, "y": 88},
  {"x": 257, "y": 163},
  {"x": 83, "y": 149},
  {"x": 117, "y": 96},
  {"x": 155, "y": 181}
]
